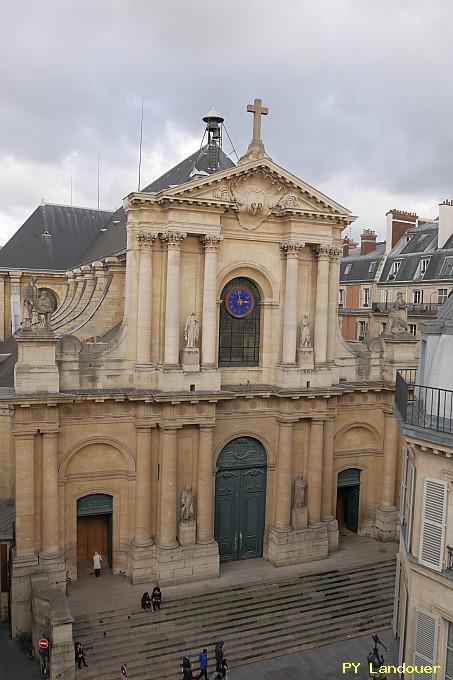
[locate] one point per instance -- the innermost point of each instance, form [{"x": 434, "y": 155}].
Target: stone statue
[
  {"x": 30, "y": 302},
  {"x": 397, "y": 319},
  {"x": 305, "y": 332},
  {"x": 299, "y": 491},
  {"x": 38, "y": 306},
  {"x": 187, "y": 505},
  {"x": 191, "y": 331}
]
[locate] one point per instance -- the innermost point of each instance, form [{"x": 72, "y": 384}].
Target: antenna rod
[
  {"x": 140, "y": 150},
  {"x": 71, "y": 186},
  {"x": 98, "y": 178}
]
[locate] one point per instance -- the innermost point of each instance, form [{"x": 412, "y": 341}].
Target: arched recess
[
  {"x": 261, "y": 276},
  {"x": 356, "y": 437},
  {"x": 240, "y": 502},
  {"x": 128, "y": 464},
  {"x": 53, "y": 296},
  {"x": 240, "y": 324}
]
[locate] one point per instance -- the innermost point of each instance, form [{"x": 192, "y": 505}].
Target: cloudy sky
[{"x": 359, "y": 93}]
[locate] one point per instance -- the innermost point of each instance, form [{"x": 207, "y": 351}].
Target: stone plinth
[
  {"x": 186, "y": 564},
  {"x": 305, "y": 359},
  {"x": 386, "y": 523},
  {"x": 36, "y": 369},
  {"x": 332, "y": 534},
  {"x": 400, "y": 351},
  {"x": 187, "y": 532},
  {"x": 22, "y": 570},
  {"x": 190, "y": 360},
  {"x": 142, "y": 563},
  {"x": 297, "y": 546},
  {"x": 299, "y": 518}
]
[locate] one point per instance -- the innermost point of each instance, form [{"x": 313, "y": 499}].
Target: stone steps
[{"x": 256, "y": 622}]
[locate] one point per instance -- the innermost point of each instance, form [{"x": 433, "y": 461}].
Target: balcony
[
  {"x": 415, "y": 309},
  {"x": 424, "y": 407}
]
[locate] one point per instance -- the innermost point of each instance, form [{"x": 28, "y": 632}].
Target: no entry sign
[{"x": 43, "y": 643}]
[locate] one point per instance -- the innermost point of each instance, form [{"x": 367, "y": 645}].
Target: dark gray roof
[
  {"x": 111, "y": 240},
  {"x": 6, "y": 519},
  {"x": 184, "y": 171},
  {"x": 355, "y": 267},
  {"x": 53, "y": 238},
  {"x": 421, "y": 240}
]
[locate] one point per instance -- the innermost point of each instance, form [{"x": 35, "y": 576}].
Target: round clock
[{"x": 239, "y": 301}]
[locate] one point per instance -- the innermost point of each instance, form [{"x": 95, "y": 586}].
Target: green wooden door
[
  {"x": 240, "y": 501},
  {"x": 352, "y": 508}
]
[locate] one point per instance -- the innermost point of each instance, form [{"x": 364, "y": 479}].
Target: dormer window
[
  {"x": 372, "y": 267},
  {"x": 408, "y": 238},
  {"x": 46, "y": 233},
  {"x": 422, "y": 267},
  {"x": 394, "y": 269},
  {"x": 348, "y": 268},
  {"x": 447, "y": 267}
]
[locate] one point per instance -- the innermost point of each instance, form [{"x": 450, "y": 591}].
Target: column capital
[
  {"x": 205, "y": 427},
  {"x": 211, "y": 242},
  {"x": 51, "y": 431},
  {"x": 146, "y": 240},
  {"x": 335, "y": 253},
  {"x": 144, "y": 426},
  {"x": 291, "y": 249},
  {"x": 322, "y": 252},
  {"x": 172, "y": 240}
]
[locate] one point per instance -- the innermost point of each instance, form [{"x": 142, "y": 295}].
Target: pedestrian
[
  {"x": 218, "y": 651},
  {"x": 186, "y": 667},
  {"x": 123, "y": 670},
  {"x": 156, "y": 598},
  {"x": 203, "y": 661},
  {"x": 80, "y": 655},
  {"x": 146, "y": 601},
  {"x": 97, "y": 559},
  {"x": 224, "y": 668}
]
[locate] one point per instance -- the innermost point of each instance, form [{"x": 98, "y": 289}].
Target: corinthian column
[
  {"x": 284, "y": 476},
  {"x": 168, "y": 488},
  {"x": 291, "y": 251},
  {"x": 172, "y": 240},
  {"x": 334, "y": 276},
  {"x": 315, "y": 472},
  {"x": 142, "y": 535},
  {"x": 50, "y": 513},
  {"x": 24, "y": 449},
  {"x": 205, "y": 486},
  {"x": 327, "y": 472},
  {"x": 210, "y": 243},
  {"x": 321, "y": 308},
  {"x": 144, "y": 312}
]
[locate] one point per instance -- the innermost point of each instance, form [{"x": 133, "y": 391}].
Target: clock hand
[{"x": 240, "y": 300}]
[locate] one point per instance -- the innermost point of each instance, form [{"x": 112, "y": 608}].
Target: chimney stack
[
  {"x": 347, "y": 244},
  {"x": 367, "y": 241},
  {"x": 445, "y": 222},
  {"x": 398, "y": 222}
]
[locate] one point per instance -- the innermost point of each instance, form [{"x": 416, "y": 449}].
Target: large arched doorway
[
  {"x": 348, "y": 496},
  {"x": 240, "y": 499},
  {"x": 94, "y": 528},
  {"x": 239, "y": 337}
]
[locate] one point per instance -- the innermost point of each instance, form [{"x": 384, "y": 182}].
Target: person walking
[
  {"x": 186, "y": 667},
  {"x": 224, "y": 668},
  {"x": 203, "y": 661},
  {"x": 123, "y": 671},
  {"x": 156, "y": 598},
  {"x": 97, "y": 559},
  {"x": 218, "y": 651},
  {"x": 80, "y": 655},
  {"x": 146, "y": 601}
]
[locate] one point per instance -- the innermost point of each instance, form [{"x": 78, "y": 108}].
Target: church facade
[{"x": 206, "y": 408}]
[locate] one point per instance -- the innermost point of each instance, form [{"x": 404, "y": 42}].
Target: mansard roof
[
  {"x": 362, "y": 268},
  {"x": 53, "y": 238}
]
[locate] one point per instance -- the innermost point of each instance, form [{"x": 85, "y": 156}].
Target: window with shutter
[
  {"x": 410, "y": 505},
  {"x": 403, "y": 486},
  {"x": 449, "y": 655},
  {"x": 432, "y": 538},
  {"x": 396, "y": 599},
  {"x": 402, "y": 630},
  {"x": 425, "y": 642}
]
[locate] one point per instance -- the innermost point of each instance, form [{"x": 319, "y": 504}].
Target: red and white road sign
[{"x": 43, "y": 643}]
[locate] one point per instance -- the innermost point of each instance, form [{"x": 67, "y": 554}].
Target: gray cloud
[{"x": 358, "y": 93}]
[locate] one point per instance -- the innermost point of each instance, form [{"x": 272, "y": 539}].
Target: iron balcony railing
[
  {"x": 428, "y": 407},
  {"x": 419, "y": 308}
]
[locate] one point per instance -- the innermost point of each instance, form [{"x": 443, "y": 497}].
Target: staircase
[{"x": 256, "y": 622}]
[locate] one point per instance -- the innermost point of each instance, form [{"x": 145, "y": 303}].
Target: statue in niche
[
  {"x": 191, "y": 331},
  {"x": 30, "y": 302},
  {"x": 299, "y": 491},
  {"x": 305, "y": 332},
  {"x": 187, "y": 514},
  {"x": 38, "y": 307},
  {"x": 397, "y": 319}
]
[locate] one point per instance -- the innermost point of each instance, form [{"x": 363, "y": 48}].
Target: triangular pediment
[{"x": 259, "y": 186}]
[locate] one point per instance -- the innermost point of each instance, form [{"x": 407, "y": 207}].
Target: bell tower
[{"x": 214, "y": 124}]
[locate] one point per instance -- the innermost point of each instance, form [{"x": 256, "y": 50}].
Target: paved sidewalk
[
  {"x": 14, "y": 665},
  {"x": 323, "y": 663}
]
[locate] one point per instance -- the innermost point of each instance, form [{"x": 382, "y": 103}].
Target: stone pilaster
[
  {"x": 50, "y": 515},
  {"x": 321, "y": 306},
  {"x": 168, "y": 488},
  {"x": 172, "y": 241},
  {"x": 290, "y": 251},
  {"x": 284, "y": 477},
  {"x": 205, "y": 495},
  {"x": 24, "y": 449},
  {"x": 144, "y": 312},
  {"x": 16, "y": 311},
  {"x": 315, "y": 472},
  {"x": 327, "y": 509},
  {"x": 210, "y": 243},
  {"x": 386, "y": 512},
  {"x": 132, "y": 291},
  {"x": 334, "y": 274},
  {"x": 142, "y": 549}
]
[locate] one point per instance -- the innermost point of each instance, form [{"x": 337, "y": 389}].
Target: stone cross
[{"x": 257, "y": 111}]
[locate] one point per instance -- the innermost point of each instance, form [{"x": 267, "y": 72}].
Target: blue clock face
[{"x": 239, "y": 301}]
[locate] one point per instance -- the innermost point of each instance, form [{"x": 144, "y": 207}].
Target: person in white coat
[{"x": 97, "y": 559}]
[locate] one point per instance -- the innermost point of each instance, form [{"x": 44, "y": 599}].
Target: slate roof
[
  {"x": 6, "y": 519},
  {"x": 185, "y": 171},
  {"x": 361, "y": 268},
  {"x": 53, "y": 238},
  {"x": 110, "y": 241}
]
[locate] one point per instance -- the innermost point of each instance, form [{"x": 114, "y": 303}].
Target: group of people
[
  {"x": 152, "y": 601},
  {"x": 221, "y": 664}
]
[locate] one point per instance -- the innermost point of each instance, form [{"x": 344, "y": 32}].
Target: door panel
[
  {"x": 92, "y": 535},
  {"x": 352, "y": 516},
  {"x": 226, "y": 513}
]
